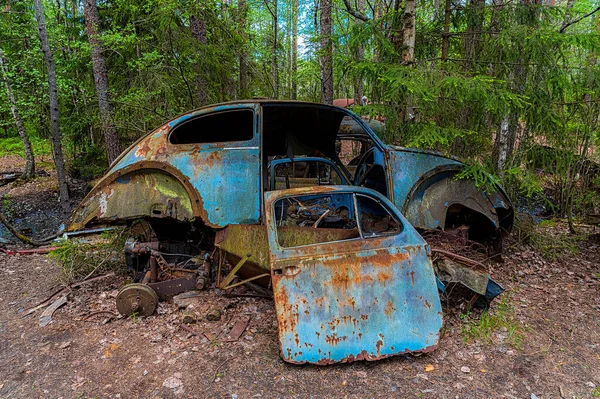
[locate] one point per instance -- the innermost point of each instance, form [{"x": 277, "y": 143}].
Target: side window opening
[
  {"x": 318, "y": 219},
  {"x": 315, "y": 219},
  {"x": 352, "y": 143},
  {"x": 375, "y": 220},
  {"x": 375, "y": 180},
  {"x": 219, "y": 127}
]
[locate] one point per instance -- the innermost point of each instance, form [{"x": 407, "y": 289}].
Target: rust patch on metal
[{"x": 389, "y": 308}]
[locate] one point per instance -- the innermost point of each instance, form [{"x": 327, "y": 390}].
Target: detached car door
[{"x": 352, "y": 280}]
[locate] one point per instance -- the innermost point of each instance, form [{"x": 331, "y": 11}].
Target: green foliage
[
  {"x": 479, "y": 175},
  {"x": 14, "y": 146},
  {"x": 500, "y": 319},
  {"x": 508, "y": 63},
  {"x": 526, "y": 181},
  {"x": 88, "y": 164},
  {"x": 80, "y": 258}
]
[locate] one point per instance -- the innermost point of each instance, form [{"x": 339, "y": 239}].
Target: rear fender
[{"x": 144, "y": 189}]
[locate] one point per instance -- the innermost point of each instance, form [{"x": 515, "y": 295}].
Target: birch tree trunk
[
  {"x": 506, "y": 135},
  {"x": 198, "y": 30},
  {"x": 92, "y": 22},
  {"x": 29, "y": 159},
  {"x": 243, "y": 56},
  {"x": 294, "y": 49},
  {"x": 63, "y": 188},
  {"x": 325, "y": 52},
  {"x": 274, "y": 62},
  {"x": 409, "y": 32}
]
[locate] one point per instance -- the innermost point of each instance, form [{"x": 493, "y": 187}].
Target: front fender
[
  {"x": 425, "y": 189},
  {"x": 429, "y": 200}
]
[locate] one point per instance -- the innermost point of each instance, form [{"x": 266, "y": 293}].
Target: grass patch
[
  {"x": 82, "y": 258},
  {"x": 501, "y": 319},
  {"x": 14, "y": 146}
]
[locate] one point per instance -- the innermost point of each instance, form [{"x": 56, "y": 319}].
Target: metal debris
[
  {"x": 237, "y": 330},
  {"x": 136, "y": 299}
]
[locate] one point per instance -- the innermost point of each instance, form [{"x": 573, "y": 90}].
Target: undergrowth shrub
[
  {"x": 88, "y": 164},
  {"x": 80, "y": 258},
  {"x": 551, "y": 242}
]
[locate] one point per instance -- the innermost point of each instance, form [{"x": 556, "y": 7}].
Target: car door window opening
[
  {"x": 225, "y": 126},
  {"x": 317, "y": 219}
]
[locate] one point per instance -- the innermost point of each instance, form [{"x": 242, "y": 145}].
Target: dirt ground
[{"x": 548, "y": 345}]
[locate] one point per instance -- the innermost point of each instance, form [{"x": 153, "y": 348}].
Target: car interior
[{"x": 296, "y": 132}]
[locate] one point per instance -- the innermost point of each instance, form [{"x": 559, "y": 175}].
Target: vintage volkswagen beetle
[{"x": 273, "y": 185}]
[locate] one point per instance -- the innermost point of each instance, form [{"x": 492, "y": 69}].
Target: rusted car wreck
[{"x": 302, "y": 198}]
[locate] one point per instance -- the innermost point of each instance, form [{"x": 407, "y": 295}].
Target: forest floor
[{"x": 540, "y": 339}]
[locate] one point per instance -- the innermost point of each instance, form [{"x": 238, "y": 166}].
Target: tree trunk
[
  {"x": 409, "y": 32},
  {"x": 376, "y": 15},
  {"x": 504, "y": 142},
  {"x": 198, "y": 30},
  {"x": 472, "y": 40},
  {"x": 294, "y": 49},
  {"x": 446, "y": 34},
  {"x": 29, "y": 159},
  {"x": 63, "y": 188},
  {"x": 358, "y": 55},
  {"x": 274, "y": 63},
  {"x": 92, "y": 22},
  {"x": 395, "y": 33},
  {"x": 326, "y": 50},
  {"x": 243, "y": 56},
  {"x": 506, "y": 135}
]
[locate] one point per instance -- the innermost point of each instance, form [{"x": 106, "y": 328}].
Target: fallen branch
[
  {"x": 190, "y": 330},
  {"x": 62, "y": 290},
  {"x": 22, "y": 237},
  {"x": 220, "y": 365}
]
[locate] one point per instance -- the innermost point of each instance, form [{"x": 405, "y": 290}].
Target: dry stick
[
  {"x": 458, "y": 257},
  {"x": 220, "y": 365},
  {"x": 190, "y": 330}
]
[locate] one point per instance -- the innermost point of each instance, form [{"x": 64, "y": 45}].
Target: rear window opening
[
  {"x": 303, "y": 174},
  {"x": 220, "y": 127}
]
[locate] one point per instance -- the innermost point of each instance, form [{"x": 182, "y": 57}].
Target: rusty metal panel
[
  {"x": 137, "y": 192},
  {"x": 406, "y": 167},
  {"x": 358, "y": 299}
]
